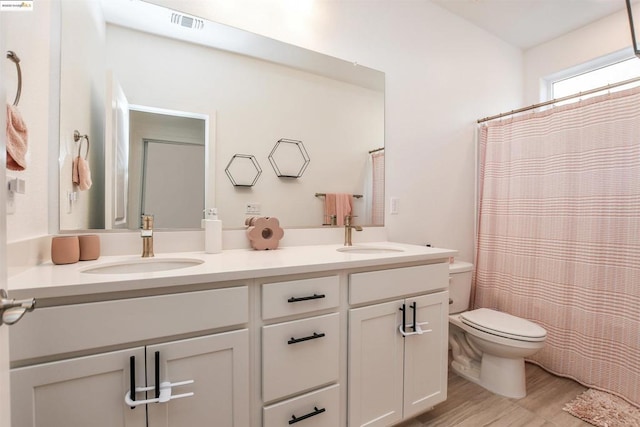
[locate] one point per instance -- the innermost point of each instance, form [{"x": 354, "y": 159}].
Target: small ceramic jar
[
  {"x": 65, "y": 249},
  {"x": 89, "y": 247}
]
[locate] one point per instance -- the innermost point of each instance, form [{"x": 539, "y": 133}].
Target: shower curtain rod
[{"x": 564, "y": 98}]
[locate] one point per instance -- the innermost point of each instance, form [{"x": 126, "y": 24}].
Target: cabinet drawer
[
  {"x": 397, "y": 282},
  {"x": 63, "y": 329},
  {"x": 299, "y": 355},
  {"x": 321, "y": 409},
  {"x": 299, "y": 296}
]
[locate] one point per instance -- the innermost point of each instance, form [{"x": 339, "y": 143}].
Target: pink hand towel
[
  {"x": 344, "y": 206},
  {"x": 17, "y": 136},
  {"x": 81, "y": 173},
  {"x": 329, "y": 207}
]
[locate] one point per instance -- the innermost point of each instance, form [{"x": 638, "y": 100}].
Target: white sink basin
[
  {"x": 368, "y": 249},
  {"x": 143, "y": 265}
]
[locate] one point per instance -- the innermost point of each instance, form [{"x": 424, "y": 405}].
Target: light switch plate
[{"x": 394, "y": 205}]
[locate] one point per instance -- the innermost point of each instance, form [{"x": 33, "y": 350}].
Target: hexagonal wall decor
[
  {"x": 289, "y": 158},
  {"x": 243, "y": 170}
]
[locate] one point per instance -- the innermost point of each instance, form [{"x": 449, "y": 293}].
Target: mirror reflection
[
  {"x": 239, "y": 101},
  {"x": 166, "y": 169}
]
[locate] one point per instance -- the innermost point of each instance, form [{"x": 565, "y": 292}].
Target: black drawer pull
[
  {"x": 315, "y": 412},
  {"x": 310, "y": 337},
  {"x": 298, "y": 299}
]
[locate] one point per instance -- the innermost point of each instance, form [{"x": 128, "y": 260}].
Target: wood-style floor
[{"x": 469, "y": 405}]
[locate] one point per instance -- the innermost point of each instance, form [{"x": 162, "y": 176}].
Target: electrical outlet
[
  {"x": 252, "y": 209},
  {"x": 72, "y": 197},
  {"x": 14, "y": 186},
  {"x": 11, "y": 203}
]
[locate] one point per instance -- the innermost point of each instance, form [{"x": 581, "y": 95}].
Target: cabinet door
[
  {"x": 86, "y": 391},
  {"x": 425, "y": 368},
  {"x": 219, "y": 366},
  {"x": 375, "y": 365}
]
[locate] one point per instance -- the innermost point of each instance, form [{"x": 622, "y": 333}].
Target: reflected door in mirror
[{"x": 173, "y": 183}]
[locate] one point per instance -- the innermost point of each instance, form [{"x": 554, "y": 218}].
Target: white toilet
[{"x": 488, "y": 346}]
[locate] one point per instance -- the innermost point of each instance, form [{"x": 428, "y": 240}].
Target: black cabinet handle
[
  {"x": 310, "y": 337},
  {"x": 315, "y": 412},
  {"x": 132, "y": 378},
  {"x": 414, "y": 307},
  {"x": 404, "y": 320},
  {"x": 157, "y": 374},
  {"x": 298, "y": 299}
]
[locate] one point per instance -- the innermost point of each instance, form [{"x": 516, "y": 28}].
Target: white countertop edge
[{"x": 54, "y": 281}]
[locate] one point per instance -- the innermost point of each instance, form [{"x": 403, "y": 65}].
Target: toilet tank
[{"x": 459, "y": 286}]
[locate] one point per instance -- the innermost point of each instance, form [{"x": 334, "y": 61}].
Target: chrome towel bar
[{"x": 16, "y": 60}]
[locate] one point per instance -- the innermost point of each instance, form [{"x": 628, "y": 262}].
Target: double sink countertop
[{"x": 53, "y": 281}]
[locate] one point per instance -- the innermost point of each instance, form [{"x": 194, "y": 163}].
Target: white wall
[
  {"x": 441, "y": 74},
  {"x": 608, "y": 35},
  {"x": 28, "y": 34},
  {"x": 5, "y": 389}
]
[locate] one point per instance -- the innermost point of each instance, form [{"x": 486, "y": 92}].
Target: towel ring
[
  {"x": 77, "y": 137},
  {"x": 14, "y": 58}
]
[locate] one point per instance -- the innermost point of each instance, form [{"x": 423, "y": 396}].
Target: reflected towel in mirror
[
  {"x": 81, "y": 173},
  {"x": 338, "y": 204}
]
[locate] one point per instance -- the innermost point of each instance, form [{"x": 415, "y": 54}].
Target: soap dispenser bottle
[{"x": 212, "y": 231}]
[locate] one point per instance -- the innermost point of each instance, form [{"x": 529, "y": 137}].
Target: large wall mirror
[{"x": 169, "y": 98}]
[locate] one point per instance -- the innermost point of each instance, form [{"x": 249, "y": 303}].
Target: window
[{"x": 595, "y": 76}]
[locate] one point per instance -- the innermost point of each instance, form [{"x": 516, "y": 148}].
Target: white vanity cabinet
[
  {"x": 394, "y": 376},
  {"x": 90, "y": 390},
  {"x": 304, "y": 336},
  {"x": 301, "y": 352}
]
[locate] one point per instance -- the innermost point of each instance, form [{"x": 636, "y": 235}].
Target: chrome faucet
[
  {"x": 347, "y": 229},
  {"x": 147, "y": 235}
]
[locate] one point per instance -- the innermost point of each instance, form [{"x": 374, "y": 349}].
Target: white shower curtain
[
  {"x": 374, "y": 188},
  {"x": 377, "y": 202},
  {"x": 559, "y": 235}
]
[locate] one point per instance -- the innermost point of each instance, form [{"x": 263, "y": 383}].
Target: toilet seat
[{"x": 503, "y": 325}]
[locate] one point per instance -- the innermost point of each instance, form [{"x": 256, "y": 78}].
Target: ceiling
[{"x": 527, "y": 23}]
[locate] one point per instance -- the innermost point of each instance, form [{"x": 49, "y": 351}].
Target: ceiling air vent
[{"x": 187, "y": 21}]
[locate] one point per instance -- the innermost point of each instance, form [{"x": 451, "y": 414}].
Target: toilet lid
[{"x": 503, "y": 325}]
